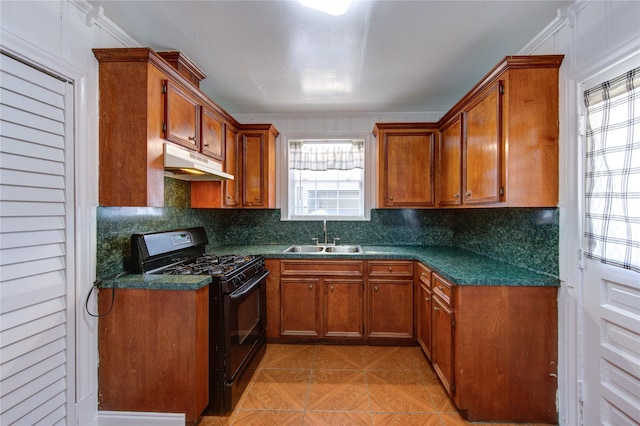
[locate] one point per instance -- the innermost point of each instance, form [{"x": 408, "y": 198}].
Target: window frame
[{"x": 285, "y": 195}]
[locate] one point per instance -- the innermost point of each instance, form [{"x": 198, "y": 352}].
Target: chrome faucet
[{"x": 324, "y": 230}]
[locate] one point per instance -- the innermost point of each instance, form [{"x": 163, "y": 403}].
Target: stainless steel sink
[
  {"x": 322, "y": 249},
  {"x": 343, "y": 249},
  {"x": 304, "y": 249}
]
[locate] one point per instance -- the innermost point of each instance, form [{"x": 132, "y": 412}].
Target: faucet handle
[
  {"x": 315, "y": 239},
  {"x": 334, "y": 241}
]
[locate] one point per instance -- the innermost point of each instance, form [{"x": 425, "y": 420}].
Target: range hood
[{"x": 182, "y": 164}]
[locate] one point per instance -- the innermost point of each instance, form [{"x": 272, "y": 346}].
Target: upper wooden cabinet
[
  {"x": 405, "y": 164},
  {"x": 257, "y": 144},
  {"x": 212, "y": 135},
  {"x": 499, "y": 144},
  {"x": 181, "y": 116}
]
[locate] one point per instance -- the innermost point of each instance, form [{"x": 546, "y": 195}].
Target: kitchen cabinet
[
  {"x": 212, "y": 135},
  {"x": 154, "y": 351},
  {"x": 450, "y": 164},
  {"x": 507, "y": 128},
  {"x": 423, "y": 308},
  {"x": 144, "y": 102},
  {"x": 406, "y": 164},
  {"x": 390, "y": 299},
  {"x": 181, "y": 116},
  {"x": 321, "y": 299},
  {"x": 442, "y": 318},
  {"x": 494, "y": 349},
  {"x": 258, "y": 165}
]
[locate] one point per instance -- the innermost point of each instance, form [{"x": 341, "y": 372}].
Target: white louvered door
[{"x": 36, "y": 246}]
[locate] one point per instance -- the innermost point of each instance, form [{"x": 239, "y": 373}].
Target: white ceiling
[{"x": 380, "y": 57}]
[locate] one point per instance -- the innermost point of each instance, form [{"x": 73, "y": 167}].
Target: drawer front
[
  {"x": 390, "y": 268},
  {"x": 424, "y": 275},
  {"x": 321, "y": 267},
  {"x": 442, "y": 288}
]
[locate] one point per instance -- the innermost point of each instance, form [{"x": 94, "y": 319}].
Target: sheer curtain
[
  {"x": 612, "y": 177},
  {"x": 326, "y": 156}
]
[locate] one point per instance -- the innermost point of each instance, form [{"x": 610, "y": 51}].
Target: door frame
[{"x": 571, "y": 296}]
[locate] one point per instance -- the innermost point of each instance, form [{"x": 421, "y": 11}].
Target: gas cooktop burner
[{"x": 209, "y": 265}]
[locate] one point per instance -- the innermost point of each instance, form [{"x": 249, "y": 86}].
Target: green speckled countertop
[{"x": 460, "y": 266}]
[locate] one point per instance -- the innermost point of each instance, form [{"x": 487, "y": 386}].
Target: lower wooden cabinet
[
  {"x": 424, "y": 299},
  {"x": 343, "y": 308},
  {"x": 390, "y": 288},
  {"x": 300, "y": 313},
  {"x": 442, "y": 342}
]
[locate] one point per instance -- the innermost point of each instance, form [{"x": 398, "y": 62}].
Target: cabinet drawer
[
  {"x": 390, "y": 268},
  {"x": 424, "y": 275},
  {"x": 442, "y": 288},
  {"x": 319, "y": 267}
]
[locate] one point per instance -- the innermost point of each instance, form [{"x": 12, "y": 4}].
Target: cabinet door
[
  {"x": 253, "y": 169},
  {"x": 299, "y": 307},
  {"x": 231, "y": 195},
  {"x": 407, "y": 176},
  {"x": 483, "y": 148},
  {"x": 442, "y": 342},
  {"x": 181, "y": 116},
  {"x": 391, "y": 308},
  {"x": 424, "y": 319},
  {"x": 343, "y": 308},
  {"x": 212, "y": 134},
  {"x": 451, "y": 163}
]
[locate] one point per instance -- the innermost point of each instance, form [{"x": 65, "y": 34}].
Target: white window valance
[{"x": 317, "y": 156}]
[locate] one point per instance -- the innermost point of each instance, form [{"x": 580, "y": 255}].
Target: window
[
  {"x": 326, "y": 179},
  {"x": 612, "y": 178}
]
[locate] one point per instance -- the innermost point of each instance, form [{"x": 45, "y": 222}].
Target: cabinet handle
[
  {"x": 206, "y": 145},
  {"x": 456, "y": 195},
  {"x": 423, "y": 276},
  {"x": 426, "y": 299},
  {"x": 375, "y": 288},
  {"x": 192, "y": 138},
  {"x": 467, "y": 194},
  {"x": 435, "y": 308},
  {"x": 331, "y": 287},
  {"x": 310, "y": 286}
]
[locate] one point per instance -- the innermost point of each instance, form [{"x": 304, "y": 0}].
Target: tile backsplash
[{"x": 526, "y": 237}]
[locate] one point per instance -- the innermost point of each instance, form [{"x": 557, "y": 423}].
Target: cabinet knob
[
  {"x": 310, "y": 286},
  {"x": 206, "y": 145},
  {"x": 390, "y": 197},
  {"x": 441, "y": 288},
  {"x": 256, "y": 198},
  {"x": 435, "y": 308},
  {"x": 426, "y": 299},
  {"x": 390, "y": 269},
  {"x": 423, "y": 275},
  {"x": 467, "y": 194},
  {"x": 375, "y": 288},
  {"x": 456, "y": 195},
  {"x": 331, "y": 287}
]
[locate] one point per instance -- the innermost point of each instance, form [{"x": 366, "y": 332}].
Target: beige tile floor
[{"x": 342, "y": 385}]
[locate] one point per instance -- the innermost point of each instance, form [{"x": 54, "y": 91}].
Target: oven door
[{"x": 245, "y": 313}]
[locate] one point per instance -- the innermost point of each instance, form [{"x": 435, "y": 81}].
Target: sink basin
[
  {"x": 321, "y": 249},
  {"x": 343, "y": 249},
  {"x": 304, "y": 249}
]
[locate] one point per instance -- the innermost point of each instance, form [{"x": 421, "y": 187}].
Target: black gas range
[{"x": 237, "y": 298}]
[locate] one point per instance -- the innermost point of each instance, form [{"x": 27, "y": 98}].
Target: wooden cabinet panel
[
  {"x": 406, "y": 165},
  {"x": 450, "y": 176},
  {"x": 423, "y": 308},
  {"x": 442, "y": 288},
  {"x": 343, "y": 308},
  {"x": 483, "y": 147},
  {"x": 299, "y": 307},
  {"x": 442, "y": 343},
  {"x": 230, "y": 188},
  {"x": 182, "y": 113},
  {"x": 212, "y": 134},
  {"x": 258, "y": 165},
  {"x": 152, "y": 362},
  {"x": 391, "y": 308},
  {"x": 388, "y": 268},
  {"x": 322, "y": 267}
]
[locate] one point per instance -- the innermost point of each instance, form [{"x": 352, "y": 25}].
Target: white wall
[{"x": 60, "y": 34}]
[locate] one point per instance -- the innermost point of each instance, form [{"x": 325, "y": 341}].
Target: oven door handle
[{"x": 248, "y": 286}]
